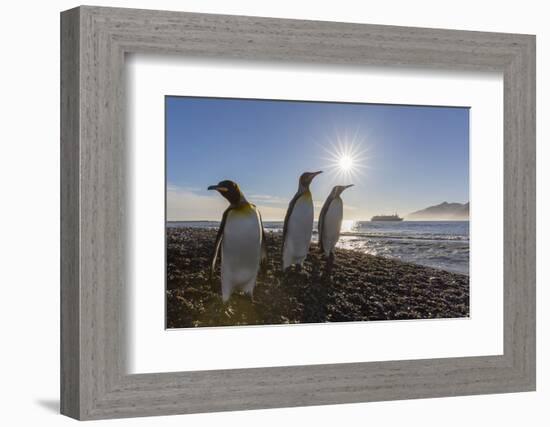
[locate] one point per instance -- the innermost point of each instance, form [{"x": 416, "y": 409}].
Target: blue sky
[{"x": 404, "y": 158}]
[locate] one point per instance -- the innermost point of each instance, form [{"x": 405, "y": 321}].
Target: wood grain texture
[
  {"x": 70, "y": 314},
  {"x": 94, "y": 232}
]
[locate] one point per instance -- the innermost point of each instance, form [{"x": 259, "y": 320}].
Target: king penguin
[
  {"x": 330, "y": 220},
  {"x": 298, "y": 225},
  {"x": 241, "y": 237}
]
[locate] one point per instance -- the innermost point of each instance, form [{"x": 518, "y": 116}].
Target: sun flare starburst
[
  {"x": 345, "y": 163},
  {"x": 346, "y": 159}
]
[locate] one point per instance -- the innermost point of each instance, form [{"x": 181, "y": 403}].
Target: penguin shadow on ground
[{"x": 308, "y": 291}]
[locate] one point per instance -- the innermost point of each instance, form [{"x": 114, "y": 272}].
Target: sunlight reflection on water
[{"x": 347, "y": 225}]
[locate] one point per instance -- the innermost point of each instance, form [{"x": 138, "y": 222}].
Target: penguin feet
[
  {"x": 214, "y": 286},
  {"x": 248, "y": 294},
  {"x": 329, "y": 264},
  {"x": 294, "y": 269}
]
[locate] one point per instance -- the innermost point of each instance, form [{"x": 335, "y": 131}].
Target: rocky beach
[{"x": 355, "y": 287}]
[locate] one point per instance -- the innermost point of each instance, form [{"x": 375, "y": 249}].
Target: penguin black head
[
  {"x": 339, "y": 189},
  {"x": 230, "y": 190},
  {"x": 307, "y": 177}
]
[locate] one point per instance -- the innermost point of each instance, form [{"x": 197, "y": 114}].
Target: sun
[
  {"x": 346, "y": 159},
  {"x": 345, "y": 162}
]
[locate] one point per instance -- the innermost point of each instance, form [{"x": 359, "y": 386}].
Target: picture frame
[{"x": 94, "y": 381}]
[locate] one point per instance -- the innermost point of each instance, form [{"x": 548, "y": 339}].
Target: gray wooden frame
[{"x": 94, "y": 41}]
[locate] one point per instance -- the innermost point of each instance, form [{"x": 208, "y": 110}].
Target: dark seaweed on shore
[{"x": 357, "y": 287}]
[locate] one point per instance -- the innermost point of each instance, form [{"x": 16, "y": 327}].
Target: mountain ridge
[{"x": 443, "y": 211}]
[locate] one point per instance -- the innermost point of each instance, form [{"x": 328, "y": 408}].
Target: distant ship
[{"x": 394, "y": 217}]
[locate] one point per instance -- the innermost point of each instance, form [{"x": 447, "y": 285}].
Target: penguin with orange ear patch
[{"x": 241, "y": 239}]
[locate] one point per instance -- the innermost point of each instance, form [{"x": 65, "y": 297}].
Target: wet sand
[{"x": 357, "y": 287}]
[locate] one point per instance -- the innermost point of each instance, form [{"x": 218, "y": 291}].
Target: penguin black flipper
[
  {"x": 217, "y": 245},
  {"x": 324, "y": 211},
  {"x": 287, "y": 217},
  {"x": 264, "y": 244}
]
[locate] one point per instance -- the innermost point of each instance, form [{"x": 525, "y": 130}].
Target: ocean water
[{"x": 440, "y": 244}]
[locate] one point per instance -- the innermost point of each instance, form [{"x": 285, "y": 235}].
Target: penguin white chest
[
  {"x": 299, "y": 230},
  {"x": 241, "y": 251},
  {"x": 332, "y": 224}
]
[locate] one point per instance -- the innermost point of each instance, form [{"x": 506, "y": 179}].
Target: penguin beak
[
  {"x": 217, "y": 188},
  {"x": 341, "y": 188},
  {"x": 313, "y": 175}
]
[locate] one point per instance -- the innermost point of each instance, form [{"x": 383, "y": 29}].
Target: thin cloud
[
  {"x": 183, "y": 204},
  {"x": 265, "y": 198}
]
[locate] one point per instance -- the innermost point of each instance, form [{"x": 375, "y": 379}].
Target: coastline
[
  {"x": 443, "y": 245},
  {"x": 358, "y": 287}
]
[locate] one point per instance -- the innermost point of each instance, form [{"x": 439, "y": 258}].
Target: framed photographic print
[{"x": 347, "y": 210}]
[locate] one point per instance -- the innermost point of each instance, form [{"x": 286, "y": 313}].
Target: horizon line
[{"x": 356, "y": 220}]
